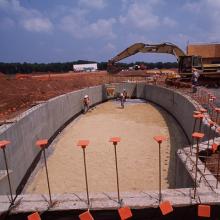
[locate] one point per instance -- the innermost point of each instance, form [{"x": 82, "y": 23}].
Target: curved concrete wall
[
  {"x": 176, "y": 104},
  {"x": 45, "y": 120},
  {"x": 40, "y": 122}
]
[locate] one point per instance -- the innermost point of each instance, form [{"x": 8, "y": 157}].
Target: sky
[{"x": 45, "y": 31}]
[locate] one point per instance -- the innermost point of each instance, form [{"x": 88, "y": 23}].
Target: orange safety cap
[
  {"x": 34, "y": 216},
  {"x": 200, "y": 116},
  {"x": 125, "y": 213},
  {"x": 86, "y": 216},
  {"x": 3, "y": 143},
  {"x": 211, "y": 123},
  {"x": 196, "y": 112},
  {"x": 42, "y": 143},
  {"x": 217, "y": 110},
  {"x": 203, "y": 110},
  {"x": 159, "y": 139},
  {"x": 197, "y": 135},
  {"x": 214, "y": 147},
  {"x": 204, "y": 211},
  {"x": 115, "y": 140},
  {"x": 83, "y": 143},
  {"x": 166, "y": 207}
]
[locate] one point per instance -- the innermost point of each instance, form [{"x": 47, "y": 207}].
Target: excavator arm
[{"x": 168, "y": 48}]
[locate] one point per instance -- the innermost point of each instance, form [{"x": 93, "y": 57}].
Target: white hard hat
[{"x": 86, "y": 96}]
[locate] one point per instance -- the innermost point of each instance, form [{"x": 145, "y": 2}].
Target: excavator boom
[
  {"x": 149, "y": 48},
  {"x": 168, "y": 48}
]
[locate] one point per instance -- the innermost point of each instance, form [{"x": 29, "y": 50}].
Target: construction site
[{"x": 157, "y": 156}]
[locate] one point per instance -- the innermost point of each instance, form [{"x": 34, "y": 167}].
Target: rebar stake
[
  {"x": 43, "y": 144},
  {"x": 159, "y": 140},
  {"x": 83, "y": 144},
  {"x": 197, "y": 136},
  {"x": 3, "y": 145},
  {"x": 115, "y": 141}
]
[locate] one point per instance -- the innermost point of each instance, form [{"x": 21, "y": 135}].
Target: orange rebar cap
[
  {"x": 115, "y": 140},
  {"x": 202, "y": 110},
  {"x": 196, "y": 112},
  {"x": 166, "y": 207},
  {"x": 34, "y": 216},
  {"x": 214, "y": 147},
  {"x": 42, "y": 143},
  {"x": 159, "y": 139},
  {"x": 204, "y": 211},
  {"x": 217, "y": 110},
  {"x": 86, "y": 216},
  {"x": 125, "y": 213},
  {"x": 83, "y": 143},
  {"x": 200, "y": 116},
  {"x": 3, "y": 143},
  {"x": 197, "y": 135},
  {"x": 211, "y": 123}
]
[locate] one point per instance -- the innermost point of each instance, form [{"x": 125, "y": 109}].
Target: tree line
[{"x": 27, "y": 68}]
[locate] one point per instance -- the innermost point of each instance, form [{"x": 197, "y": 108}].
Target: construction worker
[
  {"x": 122, "y": 100},
  {"x": 86, "y": 103},
  {"x": 125, "y": 94},
  {"x": 194, "y": 79}
]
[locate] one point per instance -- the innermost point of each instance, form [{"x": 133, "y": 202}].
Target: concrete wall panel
[{"x": 41, "y": 121}]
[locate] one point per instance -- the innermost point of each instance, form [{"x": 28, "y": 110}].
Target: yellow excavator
[{"x": 185, "y": 63}]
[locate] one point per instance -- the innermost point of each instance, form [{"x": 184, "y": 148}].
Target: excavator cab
[{"x": 186, "y": 63}]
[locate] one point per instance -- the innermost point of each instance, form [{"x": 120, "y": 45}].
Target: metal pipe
[
  {"x": 218, "y": 169},
  {"x": 9, "y": 182},
  {"x": 194, "y": 127},
  {"x": 116, "y": 166},
  {"x": 196, "y": 165},
  {"x": 87, "y": 188},
  {"x": 159, "y": 174},
  {"x": 48, "y": 183}
]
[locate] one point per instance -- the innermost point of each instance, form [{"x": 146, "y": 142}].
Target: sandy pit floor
[{"x": 137, "y": 152}]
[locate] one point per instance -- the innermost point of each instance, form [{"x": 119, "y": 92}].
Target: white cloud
[
  {"x": 95, "y": 4},
  {"x": 77, "y": 25},
  {"x": 169, "y": 22},
  {"x": 140, "y": 15},
  {"x": 208, "y": 13},
  {"x": 109, "y": 47},
  {"x": 37, "y": 24},
  {"x": 30, "y": 19}
]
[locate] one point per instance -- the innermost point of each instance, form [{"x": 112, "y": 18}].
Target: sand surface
[{"x": 137, "y": 152}]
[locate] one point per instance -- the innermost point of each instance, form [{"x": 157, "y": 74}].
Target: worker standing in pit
[
  {"x": 122, "y": 100},
  {"x": 125, "y": 94},
  {"x": 194, "y": 79},
  {"x": 86, "y": 103}
]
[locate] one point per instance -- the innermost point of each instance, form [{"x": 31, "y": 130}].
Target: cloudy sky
[{"x": 67, "y": 30}]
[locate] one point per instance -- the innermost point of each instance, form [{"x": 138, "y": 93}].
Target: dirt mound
[{"x": 21, "y": 92}]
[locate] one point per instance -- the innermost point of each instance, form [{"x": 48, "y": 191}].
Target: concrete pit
[{"x": 137, "y": 152}]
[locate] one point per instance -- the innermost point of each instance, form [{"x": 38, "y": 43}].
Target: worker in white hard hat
[
  {"x": 122, "y": 99},
  {"x": 194, "y": 79},
  {"x": 125, "y": 94},
  {"x": 86, "y": 103}
]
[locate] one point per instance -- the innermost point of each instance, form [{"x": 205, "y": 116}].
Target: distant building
[
  {"x": 210, "y": 53},
  {"x": 90, "y": 67}
]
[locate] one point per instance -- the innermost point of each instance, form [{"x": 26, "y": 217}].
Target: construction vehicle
[{"x": 185, "y": 62}]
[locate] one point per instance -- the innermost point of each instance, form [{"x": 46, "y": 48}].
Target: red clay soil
[{"x": 18, "y": 93}]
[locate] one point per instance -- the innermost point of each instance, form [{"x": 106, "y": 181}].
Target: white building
[{"x": 90, "y": 67}]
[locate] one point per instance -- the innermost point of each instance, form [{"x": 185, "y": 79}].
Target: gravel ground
[{"x": 137, "y": 152}]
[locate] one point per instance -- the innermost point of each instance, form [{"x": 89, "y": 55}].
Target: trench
[{"x": 137, "y": 152}]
